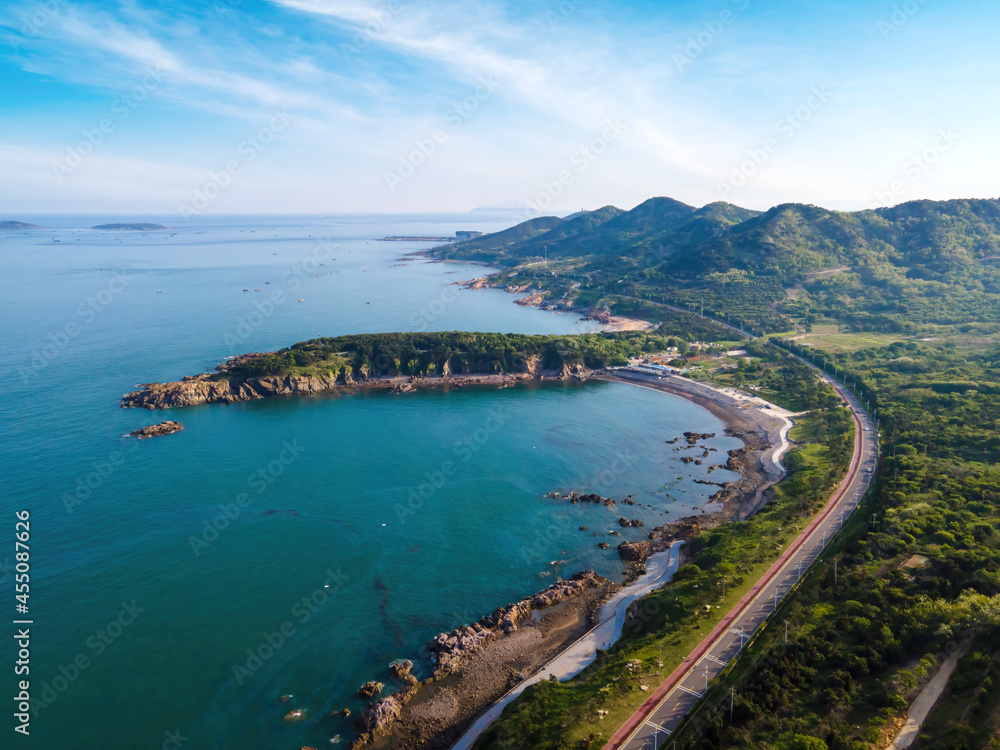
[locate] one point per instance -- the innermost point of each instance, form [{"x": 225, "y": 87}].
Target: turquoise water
[{"x": 420, "y": 512}]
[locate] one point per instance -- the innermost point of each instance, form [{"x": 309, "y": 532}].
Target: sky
[{"x": 394, "y": 106}]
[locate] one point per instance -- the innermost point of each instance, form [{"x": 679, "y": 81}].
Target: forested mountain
[{"x": 879, "y": 270}]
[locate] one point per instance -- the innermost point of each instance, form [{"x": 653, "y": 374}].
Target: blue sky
[{"x": 322, "y": 106}]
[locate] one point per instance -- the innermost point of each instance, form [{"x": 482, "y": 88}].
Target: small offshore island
[
  {"x": 16, "y": 225},
  {"x": 132, "y": 227}
]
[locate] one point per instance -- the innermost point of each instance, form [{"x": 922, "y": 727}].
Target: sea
[{"x": 180, "y": 588}]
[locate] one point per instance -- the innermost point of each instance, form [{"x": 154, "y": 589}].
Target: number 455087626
[{"x": 22, "y": 554}]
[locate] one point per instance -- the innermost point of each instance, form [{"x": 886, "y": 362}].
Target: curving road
[{"x": 653, "y": 722}]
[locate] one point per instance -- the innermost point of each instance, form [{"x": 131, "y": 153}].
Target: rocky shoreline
[
  {"x": 535, "y": 297},
  {"x": 224, "y": 387},
  {"x": 476, "y": 664}
]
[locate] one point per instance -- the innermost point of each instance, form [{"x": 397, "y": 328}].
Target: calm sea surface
[{"x": 183, "y": 584}]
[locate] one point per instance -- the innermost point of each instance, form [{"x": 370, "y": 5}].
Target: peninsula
[{"x": 400, "y": 362}]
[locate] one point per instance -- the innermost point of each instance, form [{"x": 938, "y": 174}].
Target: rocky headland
[{"x": 226, "y": 386}]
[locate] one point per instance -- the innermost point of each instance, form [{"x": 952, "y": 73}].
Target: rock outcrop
[
  {"x": 635, "y": 551},
  {"x": 163, "y": 428},
  {"x": 225, "y": 387},
  {"x": 370, "y": 689},
  {"x": 376, "y": 722},
  {"x": 448, "y": 648}
]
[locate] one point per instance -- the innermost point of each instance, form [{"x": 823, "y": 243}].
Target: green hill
[{"x": 880, "y": 270}]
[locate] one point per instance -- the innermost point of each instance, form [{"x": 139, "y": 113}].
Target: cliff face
[
  {"x": 203, "y": 389},
  {"x": 209, "y": 388}
]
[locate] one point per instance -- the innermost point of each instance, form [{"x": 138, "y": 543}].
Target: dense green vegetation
[
  {"x": 890, "y": 269},
  {"x": 389, "y": 354},
  {"x": 918, "y": 579}
]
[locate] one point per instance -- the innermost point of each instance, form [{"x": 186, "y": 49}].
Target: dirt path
[{"x": 925, "y": 701}]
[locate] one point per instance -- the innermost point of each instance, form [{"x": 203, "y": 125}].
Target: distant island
[
  {"x": 133, "y": 227},
  {"x": 17, "y": 225},
  {"x": 460, "y": 236}
]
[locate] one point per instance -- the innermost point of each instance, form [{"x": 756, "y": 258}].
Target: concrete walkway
[{"x": 579, "y": 655}]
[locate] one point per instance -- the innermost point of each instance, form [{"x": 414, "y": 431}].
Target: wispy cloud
[{"x": 368, "y": 79}]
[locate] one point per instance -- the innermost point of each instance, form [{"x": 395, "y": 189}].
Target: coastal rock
[
  {"x": 693, "y": 437},
  {"x": 634, "y": 551},
  {"x": 370, "y": 689},
  {"x": 532, "y": 300},
  {"x": 401, "y": 672},
  {"x": 345, "y": 712},
  {"x": 163, "y": 428},
  {"x": 297, "y": 714},
  {"x": 228, "y": 386},
  {"x": 603, "y": 545},
  {"x": 448, "y": 648},
  {"x": 375, "y": 723}
]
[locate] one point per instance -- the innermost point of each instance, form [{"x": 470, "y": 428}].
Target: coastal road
[{"x": 650, "y": 726}]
